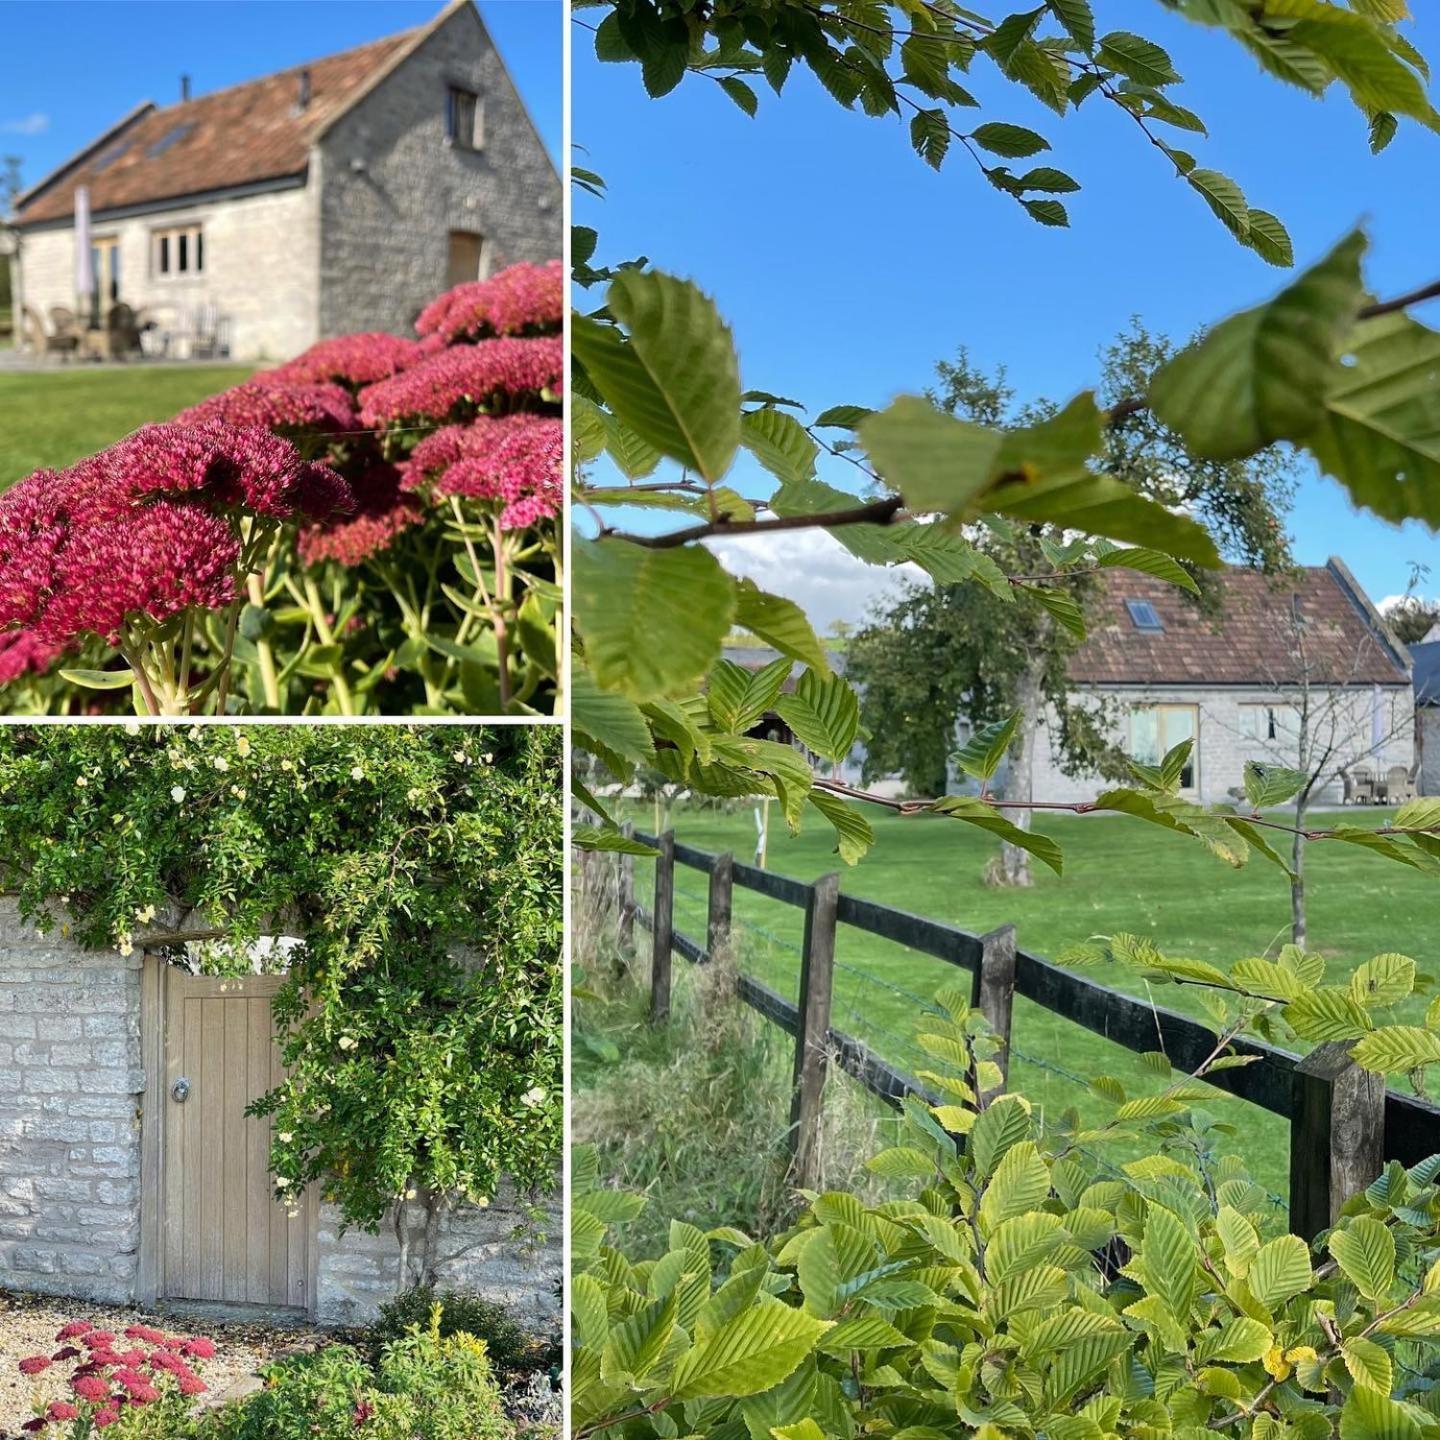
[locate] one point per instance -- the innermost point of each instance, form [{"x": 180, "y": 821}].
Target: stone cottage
[
  {"x": 1238, "y": 681},
  {"x": 336, "y": 196},
  {"x": 129, "y": 1170},
  {"x": 1426, "y": 678}
]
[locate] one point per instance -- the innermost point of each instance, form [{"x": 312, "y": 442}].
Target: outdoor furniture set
[
  {"x": 161, "y": 333},
  {"x": 1362, "y": 787}
]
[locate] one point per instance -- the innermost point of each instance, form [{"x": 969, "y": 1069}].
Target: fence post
[
  {"x": 812, "y": 1040},
  {"x": 662, "y": 928},
  {"x": 992, "y": 991},
  {"x": 625, "y": 898},
  {"x": 722, "y": 889},
  {"x": 1337, "y": 1135}
]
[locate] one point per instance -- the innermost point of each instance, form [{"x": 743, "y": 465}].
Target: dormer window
[
  {"x": 1144, "y": 616},
  {"x": 465, "y": 119}
]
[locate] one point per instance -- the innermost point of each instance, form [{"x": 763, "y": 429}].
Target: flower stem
[
  {"x": 502, "y": 602},
  {"x": 316, "y": 606},
  {"x": 264, "y": 651}
]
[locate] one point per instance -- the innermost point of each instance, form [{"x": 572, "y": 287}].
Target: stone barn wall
[{"x": 72, "y": 1089}]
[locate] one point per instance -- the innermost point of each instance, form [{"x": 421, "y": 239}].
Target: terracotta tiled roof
[
  {"x": 248, "y": 133},
  {"x": 1248, "y": 642}
]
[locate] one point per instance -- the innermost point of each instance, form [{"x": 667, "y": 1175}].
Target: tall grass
[{"x": 695, "y": 1113}]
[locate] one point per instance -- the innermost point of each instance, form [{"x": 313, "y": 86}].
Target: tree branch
[{"x": 875, "y": 512}]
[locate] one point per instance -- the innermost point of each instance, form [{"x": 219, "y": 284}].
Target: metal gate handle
[{"x": 180, "y": 1090}]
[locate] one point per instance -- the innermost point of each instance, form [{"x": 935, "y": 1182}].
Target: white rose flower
[
  {"x": 357, "y": 772},
  {"x": 533, "y": 1096},
  {"x": 220, "y": 763},
  {"x": 348, "y": 1042},
  {"x": 177, "y": 794}
]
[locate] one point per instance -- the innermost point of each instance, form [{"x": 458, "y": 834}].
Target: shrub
[
  {"x": 426, "y": 1386},
  {"x": 137, "y": 1386},
  {"x": 510, "y": 1347},
  {"x": 1022, "y": 1289}
]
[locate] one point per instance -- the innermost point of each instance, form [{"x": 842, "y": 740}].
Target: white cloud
[
  {"x": 817, "y": 572},
  {"x": 36, "y": 123}
]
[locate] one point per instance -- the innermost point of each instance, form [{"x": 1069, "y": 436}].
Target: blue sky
[
  {"x": 847, "y": 266},
  {"x": 74, "y": 69}
]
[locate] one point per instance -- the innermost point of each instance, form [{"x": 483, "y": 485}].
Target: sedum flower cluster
[
  {"x": 110, "y": 1374},
  {"x": 523, "y": 300}
]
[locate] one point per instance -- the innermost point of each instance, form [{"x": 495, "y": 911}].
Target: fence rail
[{"x": 1343, "y": 1123}]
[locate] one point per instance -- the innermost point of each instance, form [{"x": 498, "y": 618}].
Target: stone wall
[
  {"x": 1227, "y": 719},
  {"x": 260, "y": 263},
  {"x": 498, "y": 1253},
  {"x": 393, "y": 188},
  {"x": 71, "y": 1094},
  {"x": 70, "y": 1083}
]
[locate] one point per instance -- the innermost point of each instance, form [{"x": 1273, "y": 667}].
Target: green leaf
[
  {"x": 981, "y": 755},
  {"x": 930, "y": 136},
  {"x": 600, "y": 837},
  {"x": 1047, "y": 212},
  {"x": 1020, "y": 1184},
  {"x": 1386, "y": 980},
  {"x": 752, "y": 1352},
  {"x": 1369, "y": 1415},
  {"x": 1364, "y": 1249},
  {"x": 1269, "y": 239},
  {"x": 976, "y": 812},
  {"x": 779, "y": 622},
  {"x": 1383, "y": 127},
  {"x": 1380, "y": 433},
  {"x": 1267, "y": 785},
  {"x": 1368, "y": 1363},
  {"x": 779, "y": 442},
  {"x": 636, "y": 1345},
  {"x": 1060, "y": 607},
  {"x": 1264, "y": 375},
  {"x": 934, "y": 460},
  {"x": 100, "y": 679},
  {"x": 740, "y": 93},
  {"x": 1000, "y": 1126},
  {"x": 1047, "y": 178},
  {"x": 842, "y": 417},
  {"x": 653, "y": 621},
  {"x": 824, "y": 713},
  {"x": 1150, "y": 562},
  {"x": 1170, "y": 1258},
  {"x": 738, "y": 698},
  {"x": 1012, "y": 141},
  {"x": 1280, "y": 1270},
  {"x": 676, "y": 380},
  {"x": 1137, "y": 59},
  {"x": 853, "y": 835},
  {"x": 1397, "y": 1047},
  {"x": 1327, "y": 1012},
  {"x": 1078, "y": 20},
  {"x": 1224, "y": 197}
]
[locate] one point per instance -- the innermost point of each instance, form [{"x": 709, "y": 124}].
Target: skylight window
[
  {"x": 171, "y": 137},
  {"x": 1143, "y": 615},
  {"x": 110, "y": 157}
]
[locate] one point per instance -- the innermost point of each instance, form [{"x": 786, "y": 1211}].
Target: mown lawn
[
  {"x": 54, "y": 417},
  {"x": 1120, "y": 875}
]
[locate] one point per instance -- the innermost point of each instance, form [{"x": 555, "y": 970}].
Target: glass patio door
[
  {"x": 1155, "y": 730},
  {"x": 105, "y": 264}
]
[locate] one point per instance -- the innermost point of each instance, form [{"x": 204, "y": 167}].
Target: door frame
[{"x": 150, "y": 1280}]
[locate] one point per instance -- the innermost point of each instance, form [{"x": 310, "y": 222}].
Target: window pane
[
  {"x": 182, "y": 252},
  {"x": 199, "y": 250},
  {"x": 1145, "y": 736},
  {"x": 164, "y": 254}
]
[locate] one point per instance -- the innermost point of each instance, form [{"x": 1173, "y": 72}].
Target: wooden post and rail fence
[{"x": 1344, "y": 1123}]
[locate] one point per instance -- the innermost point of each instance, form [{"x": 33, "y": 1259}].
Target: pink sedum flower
[
  {"x": 347, "y": 360},
  {"x": 22, "y": 652},
  {"x": 34, "y": 1364},
  {"x": 325, "y": 409},
  {"x": 382, "y": 511},
  {"x": 524, "y": 299},
  {"x": 90, "y": 1387},
  {"x": 516, "y": 461},
  {"x": 467, "y": 376},
  {"x": 58, "y": 1410}
]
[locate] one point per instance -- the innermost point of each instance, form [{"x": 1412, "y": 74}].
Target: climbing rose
[
  {"x": 347, "y": 360},
  {"x": 34, "y": 1364},
  {"x": 382, "y": 511},
  {"x": 325, "y": 409},
  {"x": 469, "y": 375},
  {"x": 522, "y": 300}
]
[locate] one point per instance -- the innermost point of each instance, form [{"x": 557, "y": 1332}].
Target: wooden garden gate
[{"x": 212, "y": 1229}]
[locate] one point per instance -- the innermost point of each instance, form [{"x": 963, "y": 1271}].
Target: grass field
[
  {"x": 54, "y": 417},
  {"x": 1120, "y": 876}
]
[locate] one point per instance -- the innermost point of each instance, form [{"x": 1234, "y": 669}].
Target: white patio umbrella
[{"x": 84, "y": 261}]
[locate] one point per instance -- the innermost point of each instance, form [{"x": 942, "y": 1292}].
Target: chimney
[
  {"x": 303, "y": 100},
  {"x": 184, "y": 88}
]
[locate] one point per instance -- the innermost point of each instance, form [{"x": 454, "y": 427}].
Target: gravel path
[{"x": 28, "y": 1324}]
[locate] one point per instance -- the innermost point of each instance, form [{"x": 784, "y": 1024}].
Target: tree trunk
[
  {"x": 1297, "y": 885},
  {"x": 436, "y": 1206},
  {"x": 402, "y": 1237},
  {"x": 1014, "y": 868}
]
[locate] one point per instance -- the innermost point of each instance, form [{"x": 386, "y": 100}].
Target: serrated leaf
[
  {"x": 1150, "y": 562},
  {"x": 1059, "y": 606},
  {"x": 779, "y": 622},
  {"x": 653, "y": 620},
  {"x": 1327, "y": 1013},
  {"x": 752, "y": 1352},
  {"x": 1136, "y": 58},
  {"x": 740, "y": 93},
  {"x": 1280, "y": 1270},
  {"x": 1077, "y": 19},
  {"x": 981, "y": 755},
  {"x": 738, "y": 698},
  {"x": 824, "y": 713},
  {"x": 1385, "y": 980},
  {"x": 934, "y": 460},
  {"x": 1001, "y": 1125},
  {"x": 1012, "y": 141},
  {"x": 1270, "y": 785},
  {"x": 779, "y": 442},
  {"x": 930, "y": 136},
  {"x": 1397, "y": 1047},
  {"x": 1364, "y": 1249},
  {"x": 1267, "y": 236},
  {"x": 974, "y": 811},
  {"x": 853, "y": 835},
  {"x": 1369, "y": 1415},
  {"x": 1264, "y": 375}
]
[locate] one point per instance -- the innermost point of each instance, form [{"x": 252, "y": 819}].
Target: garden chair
[
  {"x": 1359, "y": 786},
  {"x": 122, "y": 331},
  {"x": 41, "y": 341},
  {"x": 1399, "y": 785}
]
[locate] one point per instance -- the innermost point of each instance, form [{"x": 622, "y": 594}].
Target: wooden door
[
  {"x": 466, "y": 259},
  {"x": 224, "y": 1236}
]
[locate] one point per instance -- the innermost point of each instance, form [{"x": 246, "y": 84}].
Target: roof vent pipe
[{"x": 184, "y": 88}]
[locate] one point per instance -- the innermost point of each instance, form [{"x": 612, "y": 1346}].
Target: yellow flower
[{"x": 242, "y": 744}]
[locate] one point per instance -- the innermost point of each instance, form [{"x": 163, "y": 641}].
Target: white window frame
[
  {"x": 166, "y": 240},
  {"x": 1163, "y": 743}
]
